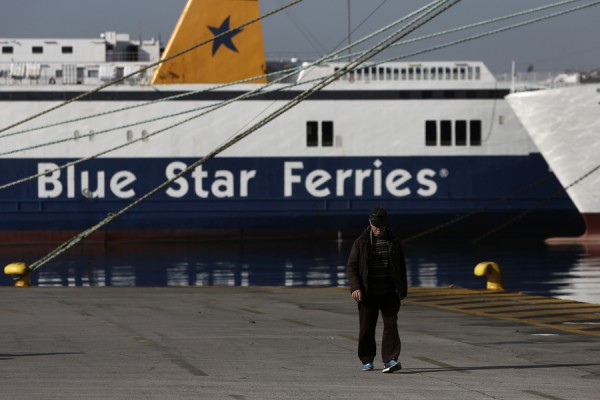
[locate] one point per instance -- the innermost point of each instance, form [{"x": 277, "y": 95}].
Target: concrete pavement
[{"x": 270, "y": 343}]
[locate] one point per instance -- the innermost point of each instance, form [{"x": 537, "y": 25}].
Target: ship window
[
  {"x": 67, "y": 49},
  {"x": 7, "y": 49},
  {"x": 37, "y": 49},
  {"x": 312, "y": 133},
  {"x": 76, "y": 135},
  {"x": 448, "y": 74},
  {"x": 58, "y": 73},
  {"x": 437, "y": 94},
  {"x": 454, "y": 73},
  {"x": 396, "y": 74},
  {"x": 430, "y": 133},
  {"x": 91, "y": 135},
  {"x": 440, "y": 73},
  {"x": 144, "y": 135},
  {"x": 327, "y": 131},
  {"x": 425, "y": 73},
  {"x": 381, "y": 73},
  {"x": 388, "y": 74},
  {"x": 403, "y": 73},
  {"x": 477, "y": 73},
  {"x": 462, "y": 73},
  {"x": 411, "y": 73},
  {"x": 470, "y": 73},
  {"x": 460, "y": 129},
  {"x": 446, "y": 133},
  {"x": 374, "y": 73},
  {"x": 129, "y": 135},
  {"x": 432, "y": 73},
  {"x": 418, "y": 73},
  {"x": 92, "y": 73},
  {"x": 475, "y": 132}
]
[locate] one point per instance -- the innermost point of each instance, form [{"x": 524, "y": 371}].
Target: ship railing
[
  {"x": 16, "y": 73},
  {"x": 524, "y": 81}
]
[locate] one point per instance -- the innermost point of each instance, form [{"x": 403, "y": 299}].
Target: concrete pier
[{"x": 276, "y": 343}]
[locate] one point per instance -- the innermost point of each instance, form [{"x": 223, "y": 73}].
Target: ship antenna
[{"x": 349, "y": 33}]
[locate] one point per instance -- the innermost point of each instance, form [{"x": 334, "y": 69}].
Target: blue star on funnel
[{"x": 225, "y": 40}]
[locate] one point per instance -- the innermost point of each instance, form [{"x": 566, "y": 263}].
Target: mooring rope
[
  {"x": 537, "y": 205},
  {"x": 147, "y": 67},
  {"x": 86, "y": 233},
  {"x": 287, "y": 72},
  {"x": 439, "y": 7},
  {"x": 254, "y": 92},
  {"x": 486, "y": 22},
  {"x": 337, "y": 54},
  {"x": 481, "y": 209},
  {"x": 495, "y": 31}
]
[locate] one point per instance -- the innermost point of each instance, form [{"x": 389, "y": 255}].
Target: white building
[{"x": 75, "y": 61}]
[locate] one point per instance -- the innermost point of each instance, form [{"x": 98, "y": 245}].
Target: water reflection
[{"x": 567, "y": 272}]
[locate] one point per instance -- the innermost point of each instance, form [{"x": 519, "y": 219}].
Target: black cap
[{"x": 378, "y": 217}]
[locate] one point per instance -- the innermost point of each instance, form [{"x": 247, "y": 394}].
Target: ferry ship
[
  {"x": 429, "y": 141},
  {"x": 564, "y": 124}
]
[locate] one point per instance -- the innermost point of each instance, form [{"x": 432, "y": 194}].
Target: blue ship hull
[{"x": 254, "y": 197}]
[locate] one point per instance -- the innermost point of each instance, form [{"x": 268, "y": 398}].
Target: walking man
[{"x": 377, "y": 279}]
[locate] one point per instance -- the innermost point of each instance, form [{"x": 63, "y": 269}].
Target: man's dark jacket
[{"x": 358, "y": 263}]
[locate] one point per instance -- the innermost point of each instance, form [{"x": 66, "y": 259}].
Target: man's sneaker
[
  {"x": 391, "y": 366},
  {"x": 367, "y": 367}
]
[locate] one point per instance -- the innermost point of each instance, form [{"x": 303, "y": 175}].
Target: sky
[{"x": 313, "y": 28}]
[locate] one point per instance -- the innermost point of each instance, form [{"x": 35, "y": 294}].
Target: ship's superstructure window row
[
  {"x": 415, "y": 73},
  {"x": 453, "y": 133},
  {"x": 326, "y": 133}
]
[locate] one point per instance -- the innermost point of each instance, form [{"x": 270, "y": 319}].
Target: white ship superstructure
[{"x": 427, "y": 140}]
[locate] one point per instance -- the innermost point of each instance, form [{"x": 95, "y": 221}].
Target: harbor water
[{"x": 571, "y": 272}]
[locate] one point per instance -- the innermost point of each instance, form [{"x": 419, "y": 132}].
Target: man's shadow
[
  {"x": 12, "y": 356},
  {"x": 491, "y": 367}
]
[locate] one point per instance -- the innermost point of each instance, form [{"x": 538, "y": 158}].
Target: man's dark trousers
[{"x": 368, "y": 312}]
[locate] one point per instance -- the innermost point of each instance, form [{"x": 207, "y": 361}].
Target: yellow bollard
[
  {"x": 20, "y": 273},
  {"x": 495, "y": 278}
]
